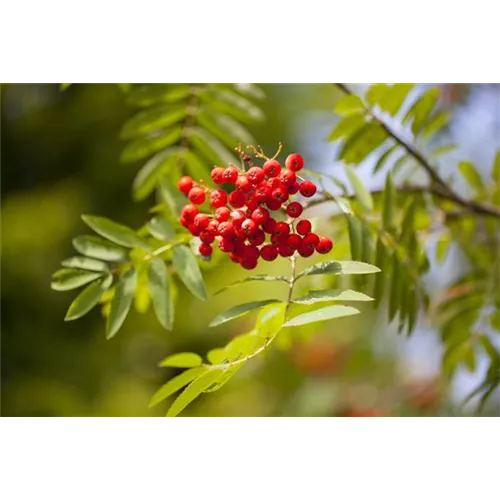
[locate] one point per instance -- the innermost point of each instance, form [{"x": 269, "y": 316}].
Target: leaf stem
[{"x": 441, "y": 188}]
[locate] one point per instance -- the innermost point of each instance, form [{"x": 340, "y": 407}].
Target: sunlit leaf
[
  {"x": 346, "y": 126},
  {"x": 470, "y": 174},
  {"x": 88, "y": 298},
  {"x": 436, "y": 123},
  {"x": 85, "y": 263},
  {"x": 315, "y": 296},
  {"x": 348, "y": 104},
  {"x": 323, "y": 314},
  {"x": 182, "y": 360},
  {"x": 355, "y": 230},
  {"x": 255, "y": 277},
  {"x": 69, "y": 279},
  {"x": 362, "y": 194},
  {"x": 99, "y": 248},
  {"x": 360, "y": 144},
  {"x": 122, "y": 300},
  {"x": 240, "y": 310},
  {"x": 115, "y": 232},
  {"x": 161, "y": 294},
  {"x": 339, "y": 267},
  {"x": 419, "y": 113},
  {"x": 383, "y": 158},
  {"x": 442, "y": 150},
  {"x": 442, "y": 245},
  {"x": 176, "y": 384},
  {"x": 270, "y": 319},
  {"x": 187, "y": 268}
]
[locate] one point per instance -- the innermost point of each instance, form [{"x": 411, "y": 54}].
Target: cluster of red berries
[{"x": 241, "y": 219}]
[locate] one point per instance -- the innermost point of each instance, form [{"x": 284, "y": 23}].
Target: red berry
[
  {"x": 282, "y": 229},
  {"x": 239, "y": 248},
  {"x": 234, "y": 258},
  {"x": 252, "y": 203},
  {"x": 294, "y": 241},
  {"x": 262, "y": 192},
  {"x": 192, "y": 229},
  {"x": 201, "y": 222},
  {"x": 222, "y": 214},
  {"x": 260, "y": 215},
  {"x": 248, "y": 264},
  {"x": 217, "y": 175},
  {"x": 287, "y": 177},
  {"x": 257, "y": 237},
  {"x": 226, "y": 245},
  {"x": 243, "y": 184},
  {"x": 251, "y": 253},
  {"x": 310, "y": 241},
  {"x": 275, "y": 183},
  {"x": 324, "y": 245},
  {"x": 213, "y": 227},
  {"x": 294, "y": 162},
  {"x": 294, "y": 209},
  {"x": 196, "y": 195},
  {"x": 304, "y": 227},
  {"x": 184, "y": 221},
  {"x": 238, "y": 217},
  {"x": 269, "y": 252},
  {"x": 285, "y": 251},
  {"x": 189, "y": 212},
  {"x": 273, "y": 204},
  {"x": 237, "y": 199},
  {"x": 269, "y": 226},
  {"x": 279, "y": 239},
  {"x": 185, "y": 184},
  {"x": 307, "y": 189},
  {"x": 218, "y": 198},
  {"x": 305, "y": 251},
  {"x": 205, "y": 250},
  {"x": 230, "y": 175},
  {"x": 225, "y": 229},
  {"x": 207, "y": 236},
  {"x": 248, "y": 226},
  {"x": 279, "y": 194},
  {"x": 256, "y": 175},
  {"x": 293, "y": 188},
  {"x": 272, "y": 168}
]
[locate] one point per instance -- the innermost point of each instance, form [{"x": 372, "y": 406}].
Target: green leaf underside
[
  {"x": 323, "y": 314},
  {"x": 240, "y": 310},
  {"x": 160, "y": 290},
  {"x": 121, "y": 302},
  {"x": 185, "y": 263},
  {"x": 257, "y": 277},
  {"x": 363, "y": 195},
  {"x": 88, "y": 298},
  {"x": 85, "y": 263},
  {"x": 161, "y": 229},
  {"x": 182, "y": 360},
  {"x": 69, "y": 279},
  {"x": 176, "y": 384},
  {"x": 193, "y": 390},
  {"x": 117, "y": 233},
  {"x": 315, "y": 296},
  {"x": 270, "y": 319},
  {"x": 99, "y": 248},
  {"x": 339, "y": 267}
]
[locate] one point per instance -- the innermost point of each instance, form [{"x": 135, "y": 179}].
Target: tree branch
[{"x": 440, "y": 186}]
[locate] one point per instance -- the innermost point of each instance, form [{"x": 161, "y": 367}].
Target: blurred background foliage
[{"x": 61, "y": 158}]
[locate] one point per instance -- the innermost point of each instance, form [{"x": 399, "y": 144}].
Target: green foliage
[
  {"x": 240, "y": 310},
  {"x": 323, "y": 314}
]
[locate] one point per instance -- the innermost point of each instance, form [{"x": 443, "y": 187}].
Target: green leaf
[
  {"x": 115, "y": 232},
  {"x": 388, "y": 98},
  {"x": 315, "y": 296},
  {"x": 362, "y": 194},
  {"x": 339, "y": 267},
  {"x": 196, "y": 168},
  {"x": 148, "y": 94},
  {"x": 182, "y": 360},
  {"x": 360, "y": 144},
  {"x": 160, "y": 291},
  {"x": 495, "y": 320},
  {"x": 380, "y": 260},
  {"x": 398, "y": 164},
  {"x": 232, "y": 104},
  {"x": 143, "y": 147},
  {"x": 210, "y": 147},
  {"x": 490, "y": 349},
  {"x": 85, "y": 263},
  {"x": 172, "y": 197},
  {"x": 256, "y": 277},
  {"x": 355, "y": 233},
  {"x": 349, "y": 104},
  {"x": 64, "y": 86},
  {"x": 442, "y": 150},
  {"x": 442, "y": 246},
  {"x": 240, "y": 310},
  {"x": 225, "y": 128},
  {"x": 88, "y": 298},
  {"x": 421, "y": 109},
  {"x": 436, "y": 123},
  {"x": 383, "y": 158},
  {"x": 271, "y": 319},
  {"x": 217, "y": 356},
  {"x": 189, "y": 272},
  {"x": 346, "y": 126},
  {"x": 121, "y": 302},
  {"x": 176, "y": 384},
  {"x": 495, "y": 171},
  {"x": 152, "y": 119},
  {"x": 69, "y": 279},
  {"x": 147, "y": 178},
  {"x": 225, "y": 377},
  {"x": 323, "y": 314},
  {"x": 471, "y": 174},
  {"x": 388, "y": 215},
  {"x": 99, "y": 248},
  {"x": 193, "y": 390},
  {"x": 161, "y": 229},
  {"x": 395, "y": 292}
]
